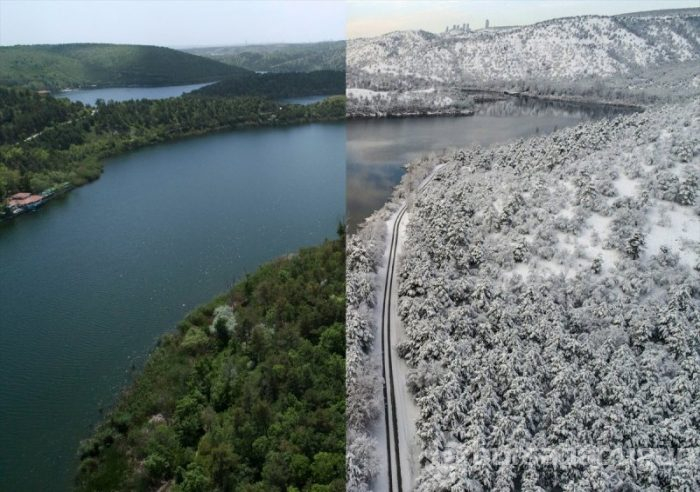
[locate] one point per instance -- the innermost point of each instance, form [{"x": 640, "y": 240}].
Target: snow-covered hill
[
  {"x": 561, "y": 51},
  {"x": 550, "y": 293},
  {"x": 551, "y": 296}
]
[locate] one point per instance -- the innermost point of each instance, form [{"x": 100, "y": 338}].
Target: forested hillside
[
  {"x": 248, "y": 394},
  {"x": 62, "y": 66},
  {"x": 278, "y": 85},
  {"x": 24, "y": 113},
  {"x": 302, "y": 57},
  {"x": 597, "y": 54},
  {"x": 53, "y": 142},
  {"x": 550, "y": 297}
]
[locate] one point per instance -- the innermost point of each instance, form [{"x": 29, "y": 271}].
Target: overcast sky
[
  {"x": 375, "y": 18},
  {"x": 176, "y": 23}
]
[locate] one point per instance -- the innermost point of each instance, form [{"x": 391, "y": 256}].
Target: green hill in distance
[
  {"x": 277, "y": 85},
  {"x": 55, "y": 67},
  {"x": 297, "y": 57}
]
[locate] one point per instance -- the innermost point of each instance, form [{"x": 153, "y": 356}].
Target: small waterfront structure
[
  {"x": 20, "y": 196},
  {"x": 25, "y": 201}
]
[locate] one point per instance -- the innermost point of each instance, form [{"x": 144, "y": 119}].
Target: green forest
[
  {"x": 46, "y": 142},
  {"x": 278, "y": 85},
  {"x": 283, "y": 57},
  {"x": 61, "y": 66},
  {"x": 247, "y": 395}
]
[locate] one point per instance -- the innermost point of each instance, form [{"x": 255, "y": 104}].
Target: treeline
[
  {"x": 72, "y": 150},
  {"x": 298, "y": 57},
  {"x": 278, "y": 85},
  {"x": 248, "y": 394},
  {"x": 61, "y": 66},
  {"x": 24, "y": 113}
]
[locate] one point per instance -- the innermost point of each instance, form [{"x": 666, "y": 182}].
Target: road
[{"x": 400, "y": 429}]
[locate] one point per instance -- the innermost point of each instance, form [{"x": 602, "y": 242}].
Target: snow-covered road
[{"x": 400, "y": 412}]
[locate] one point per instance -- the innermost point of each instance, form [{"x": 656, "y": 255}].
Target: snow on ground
[
  {"x": 568, "y": 48},
  {"x": 678, "y": 229},
  {"x": 550, "y": 298},
  {"x": 405, "y": 405},
  {"x": 366, "y": 102},
  {"x": 626, "y": 186},
  {"x": 623, "y": 58}
]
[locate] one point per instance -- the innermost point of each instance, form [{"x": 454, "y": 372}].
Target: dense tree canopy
[
  {"x": 68, "y": 141},
  {"x": 278, "y": 85},
  {"x": 247, "y": 395},
  {"x": 61, "y": 66},
  {"x": 24, "y": 113},
  {"x": 297, "y": 57},
  {"x": 550, "y": 298}
]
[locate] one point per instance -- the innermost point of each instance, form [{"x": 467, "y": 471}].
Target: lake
[
  {"x": 306, "y": 100},
  {"x": 91, "y": 280},
  {"x": 378, "y": 149},
  {"x": 90, "y": 96}
]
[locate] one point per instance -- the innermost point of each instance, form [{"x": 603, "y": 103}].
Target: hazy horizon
[
  {"x": 176, "y": 24},
  {"x": 368, "y": 19}
]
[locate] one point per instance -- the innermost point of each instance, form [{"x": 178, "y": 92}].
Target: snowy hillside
[
  {"x": 550, "y": 294},
  {"x": 420, "y": 102},
  {"x": 567, "y": 50}
]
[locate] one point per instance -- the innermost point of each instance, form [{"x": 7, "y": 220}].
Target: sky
[
  {"x": 379, "y": 17},
  {"x": 172, "y": 23}
]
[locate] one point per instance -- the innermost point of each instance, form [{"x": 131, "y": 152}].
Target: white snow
[{"x": 532, "y": 306}]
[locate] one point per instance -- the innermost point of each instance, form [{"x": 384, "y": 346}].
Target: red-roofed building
[{"x": 25, "y": 200}]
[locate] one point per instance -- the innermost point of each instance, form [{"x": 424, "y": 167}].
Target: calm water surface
[
  {"x": 378, "y": 149},
  {"x": 90, "y": 96},
  {"x": 305, "y": 100},
  {"x": 91, "y": 280}
]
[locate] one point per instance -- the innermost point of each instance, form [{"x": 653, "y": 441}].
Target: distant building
[
  {"x": 457, "y": 28},
  {"x": 487, "y": 24}
]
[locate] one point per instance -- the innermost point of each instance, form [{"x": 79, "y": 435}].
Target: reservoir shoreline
[
  {"x": 122, "y": 148},
  {"x": 111, "y": 267},
  {"x": 576, "y": 102}
]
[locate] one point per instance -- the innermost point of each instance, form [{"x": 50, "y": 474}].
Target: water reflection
[
  {"x": 378, "y": 149},
  {"x": 90, "y": 96}
]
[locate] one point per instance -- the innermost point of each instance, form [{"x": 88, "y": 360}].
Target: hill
[
  {"x": 278, "y": 85},
  {"x": 549, "y": 300},
  {"x": 56, "y": 67},
  {"x": 247, "y": 394},
  {"x": 300, "y": 57},
  {"x": 555, "y": 53}
]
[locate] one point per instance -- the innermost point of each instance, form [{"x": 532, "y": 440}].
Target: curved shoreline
[{"x": 498, "y": 95}]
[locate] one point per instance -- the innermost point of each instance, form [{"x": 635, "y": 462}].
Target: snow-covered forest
[
  {"x": 621, "y": 58},
  {"x": 550, "y": 293},
  {"x": 366, "y": 103}
]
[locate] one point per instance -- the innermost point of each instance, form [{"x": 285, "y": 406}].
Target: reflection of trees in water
[{"x": 521, "y": 106}]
